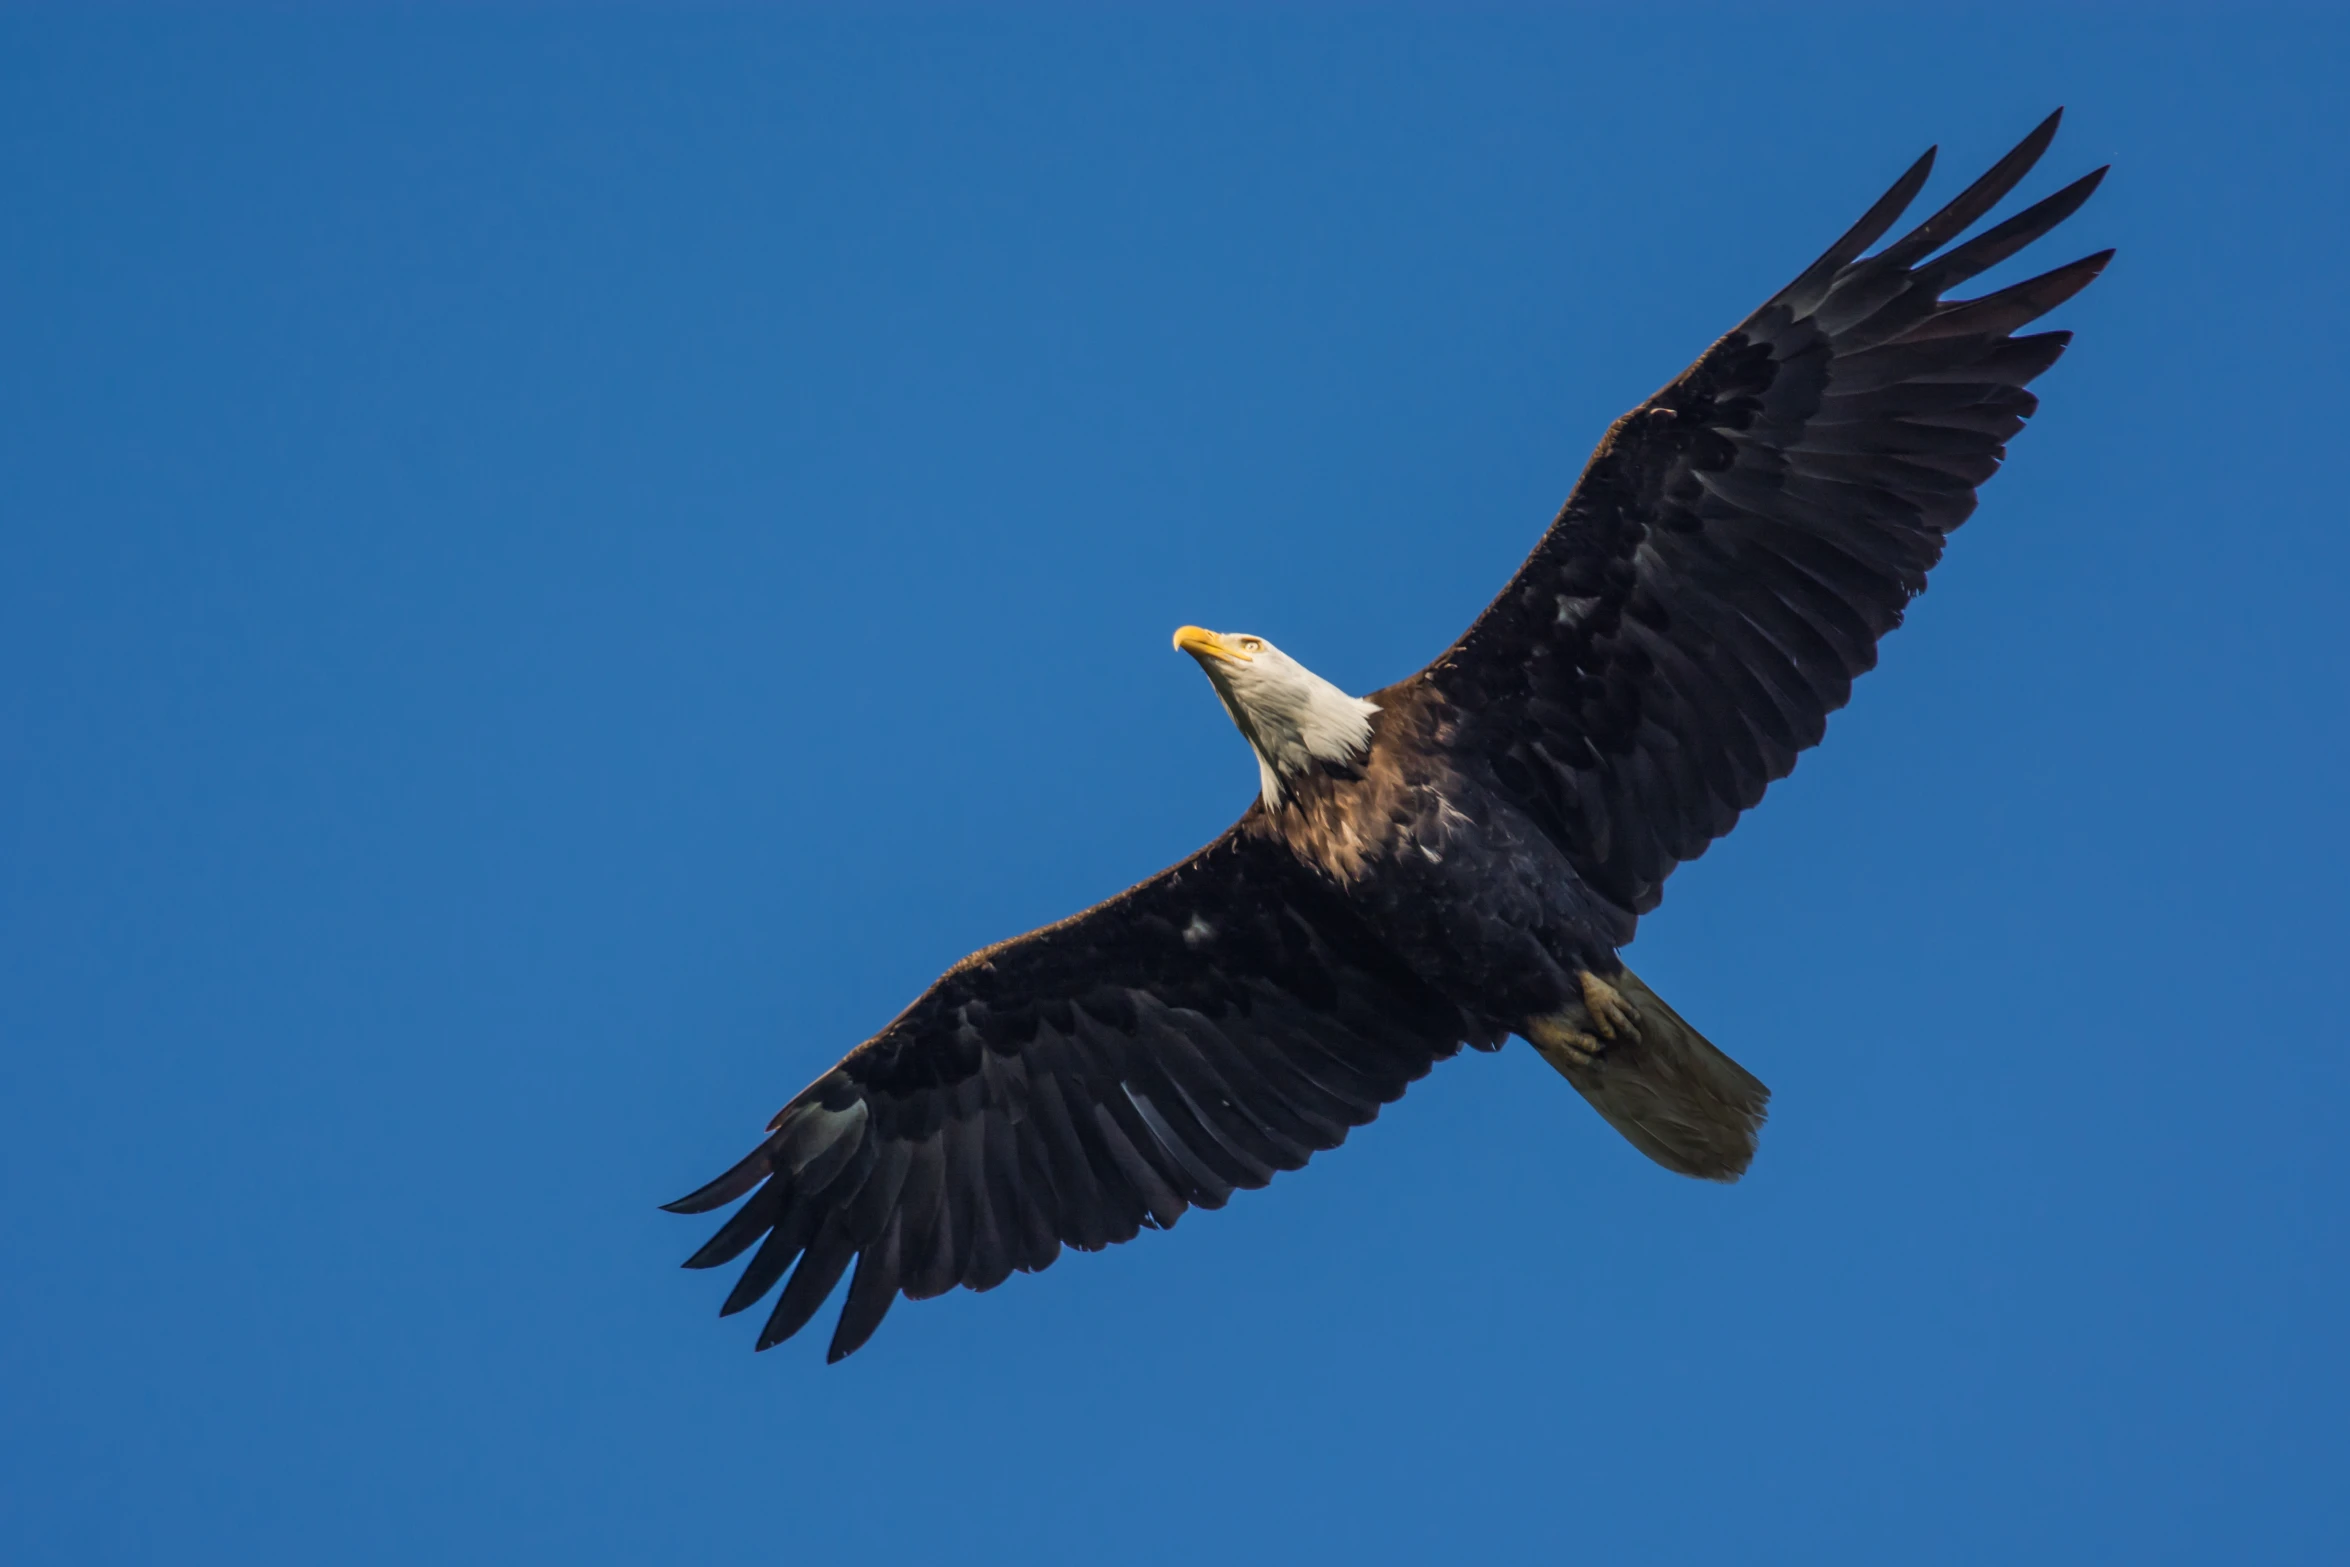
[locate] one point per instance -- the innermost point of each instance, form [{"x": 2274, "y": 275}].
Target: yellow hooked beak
[{"x": 1204, "y": 644}]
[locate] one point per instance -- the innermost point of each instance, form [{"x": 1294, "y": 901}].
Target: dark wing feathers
[
  {"x": 1193, "y": 1036},
  {"x": 1741, "y": 541}
]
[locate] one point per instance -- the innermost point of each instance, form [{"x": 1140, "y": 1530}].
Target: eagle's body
[
  {"x": 1458, "y": 857},
  {"x": 1448, "y": 871}
]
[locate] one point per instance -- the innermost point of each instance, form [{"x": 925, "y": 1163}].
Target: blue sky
[{"x": 556, "y": 568}]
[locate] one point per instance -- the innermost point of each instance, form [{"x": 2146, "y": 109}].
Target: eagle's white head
[{"x": 1291, "y": 717}]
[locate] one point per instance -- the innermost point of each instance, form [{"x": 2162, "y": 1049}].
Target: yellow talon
[
  {"x": 1562, "y": 1044},
  {"x": 1611, "y": 1014}
]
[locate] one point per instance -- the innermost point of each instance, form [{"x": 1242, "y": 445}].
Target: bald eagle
[{"x": 1456, "y": 858}]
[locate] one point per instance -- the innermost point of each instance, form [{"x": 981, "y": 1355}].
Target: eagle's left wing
[
  {"x": 1740, "y": 542},
  {"x": 1199, "y": 1031}
]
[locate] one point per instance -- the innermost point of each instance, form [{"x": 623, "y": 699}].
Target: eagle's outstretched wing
[
  {"x": 1740, "y": 541},
  {"x": 1221, "y": 1021}
]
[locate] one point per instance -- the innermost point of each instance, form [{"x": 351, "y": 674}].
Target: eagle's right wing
[
  {"x": 1740, "y": 541},
  {"x": 1199, "y": 1031}
]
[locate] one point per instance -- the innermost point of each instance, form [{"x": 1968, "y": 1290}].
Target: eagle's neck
[{"x": 1296, "y": 720}]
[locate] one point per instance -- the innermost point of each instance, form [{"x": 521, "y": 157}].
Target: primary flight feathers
[{"x": 1456, "y": 858}]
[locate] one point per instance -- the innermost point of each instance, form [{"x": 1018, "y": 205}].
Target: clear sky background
[{"x": 555, "y": 569}]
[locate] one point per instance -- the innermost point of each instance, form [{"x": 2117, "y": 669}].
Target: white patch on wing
[
  {"x": 1197, "y": 931},
  {"x": 823, "y": 1129}
]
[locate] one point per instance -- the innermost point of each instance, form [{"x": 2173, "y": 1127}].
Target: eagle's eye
[{"x": 1251, "y": 645}]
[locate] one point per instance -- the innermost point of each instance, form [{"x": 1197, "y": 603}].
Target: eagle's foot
[
  {"x": 1610, "y": 1013},
  {"x": 1561, "y": 1043}
]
